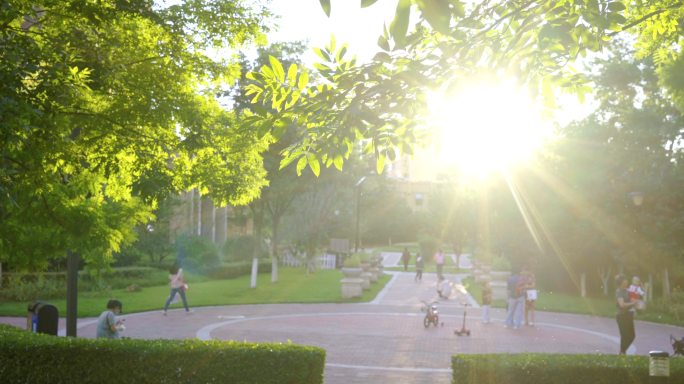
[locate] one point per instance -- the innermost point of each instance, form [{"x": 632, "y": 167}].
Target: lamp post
[
  {"x": 358, "y": 212},
  {"x": 638, "y": 200}
]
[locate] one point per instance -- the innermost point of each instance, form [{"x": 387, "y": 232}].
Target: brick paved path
[{"x": 385, "y": 341}]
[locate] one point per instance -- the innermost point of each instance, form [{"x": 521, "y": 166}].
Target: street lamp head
[{"x": 637, "y": 198}]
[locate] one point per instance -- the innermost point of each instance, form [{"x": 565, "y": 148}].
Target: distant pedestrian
[
  {"x": 439, "y": 261},
  {"x": 406, "y": 257},
  {"x": 624, "y": 317},
  {"x": 444, "y": 288},
  {"x": 420, "y": 264},
  {"x": 107, "y": 325},
  {"x": 486, "y": 303},
  {"x": 178, "y": 287},
  {"x": 530, "y": 295},
  {"x": 516, "y": 301}
]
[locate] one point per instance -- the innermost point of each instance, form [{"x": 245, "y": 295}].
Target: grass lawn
[
  {"x": 568, "y": 303},
  {"x": 293, "y": 287}
]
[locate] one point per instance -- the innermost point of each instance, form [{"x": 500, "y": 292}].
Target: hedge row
[
  {"x": 555, "y": 369},
  {"x": 235, "y": 270},
  {"x": 122, "y": 272},
  {"x": 35, "y": 358}
]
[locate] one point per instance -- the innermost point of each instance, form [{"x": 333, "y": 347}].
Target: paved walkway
[{"x": 385, "y": 341}]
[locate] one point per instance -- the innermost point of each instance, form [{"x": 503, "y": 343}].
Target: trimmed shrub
[
  {"x": 235, "y": 270},
  {"x": 533, "y": 368},
  {"x": 35, "y": 358}
]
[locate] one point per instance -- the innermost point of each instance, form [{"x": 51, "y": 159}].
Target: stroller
[{"x": 677, "y": 345}]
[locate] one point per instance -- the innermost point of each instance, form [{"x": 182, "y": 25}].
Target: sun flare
[{"x": 486, "y": 128}]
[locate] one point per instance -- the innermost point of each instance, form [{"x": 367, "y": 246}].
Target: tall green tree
[
  {"x": 283, "y": 186},
  {"x": 108, "y": 108}
]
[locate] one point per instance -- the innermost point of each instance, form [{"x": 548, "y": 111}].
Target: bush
[
  {"x": 352, "y": 262},
  {"x": 429, "y": 245},
  {"x": 554, "y": 369},
  {"x": 673, "y": 305},
  {"x": 241, "y": 248},
  {"x": 31, "y": 358},
  {"x": 235, "y": 270},
  {"x": 501, "y": 264}
]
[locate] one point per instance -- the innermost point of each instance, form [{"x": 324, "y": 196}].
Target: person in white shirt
[
  {"x": 177, "y": 287},
  {"x": 444, "y": 288}
]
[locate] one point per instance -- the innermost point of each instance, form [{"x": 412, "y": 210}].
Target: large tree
[
  {"x": 454, "y": 43},
  {"x": 107, "y": 108}
]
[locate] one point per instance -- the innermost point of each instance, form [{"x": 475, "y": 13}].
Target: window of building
[{"x": 419, "y": 199}]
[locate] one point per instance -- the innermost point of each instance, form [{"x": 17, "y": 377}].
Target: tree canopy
[
  {"x": 453, "y": 44},
  {"x": 107, "y": 108}
]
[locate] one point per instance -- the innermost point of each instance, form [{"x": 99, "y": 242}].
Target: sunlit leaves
[
  {"x": 399, "y": 26},
  {"x": 325, "y": 4}
]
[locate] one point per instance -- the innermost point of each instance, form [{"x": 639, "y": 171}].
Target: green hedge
[
  {"x": 235, "y": 270},
  {"x": 35, "y": 358},
  {"x": 122, "y": 272},
  {"x": 555, "y": 369}
]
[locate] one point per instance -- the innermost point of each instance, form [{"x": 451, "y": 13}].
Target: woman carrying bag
[{"x": 178, "y": 287}]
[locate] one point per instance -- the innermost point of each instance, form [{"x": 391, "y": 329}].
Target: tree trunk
[
  {"x": 0, "y": 274},
  {"x": 274, "y": 256},
  {"x": 258, "y": 215},
  {"x": 583, "y": 284},
  {"x": 666, "y": 283},
  {"x": 604, "y": 275},
  {"x": 650, "y": 287}
]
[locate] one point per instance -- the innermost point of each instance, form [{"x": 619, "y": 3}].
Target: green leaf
[
  {"x": 383, "y": 43},
  {"x": 580, "y": 95},
  {"x": 303, "y": 81},
  {"x": 325, "y": 4},
  {"x": 368, "y": 149},
  {"x": 339, "y": 161},
  {"x": 381, "y": 162},
  {"x": 277, "y": 68},
  {"x": 322, "y": 54},
  {"x": 292, "y": 75},
  {"x": 315, "y": 166},
  {"x": 400, "y": 24},
  {"x": 547, "y": 89},
  {"x": 279, "y": 129},
  {"x": 332, "y": 43},
  {"x": 367, "y": 3},
  {"x": 616, "y": 6},
  {"x": 264, "y": 128},
  {"x": 341, "y": 52},
  {"x": 437, "y": 13},
  {"x": 382, "y": 57},
  {"x": 300, "y": 165}
]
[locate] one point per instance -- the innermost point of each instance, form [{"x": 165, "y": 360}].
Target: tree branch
[{"x": 644, "y": 18}]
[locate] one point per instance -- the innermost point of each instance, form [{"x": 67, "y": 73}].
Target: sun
[{"x": 488, "y": 127}]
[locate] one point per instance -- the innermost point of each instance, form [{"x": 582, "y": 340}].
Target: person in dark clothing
[
  {"x": 624, "y": 317},
  {"x": 420, "y": 264},
  {"x": 406, "y": 257}
]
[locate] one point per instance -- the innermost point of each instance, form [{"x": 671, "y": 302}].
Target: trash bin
[{"x": 42, "y": 318}]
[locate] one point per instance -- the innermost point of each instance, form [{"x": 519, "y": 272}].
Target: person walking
[
  {"x": 177, "y": 288},
  {"x": 439, "y": 261},
  {"x": 516, "y": 301},
  {"x": 108, "y": 326},
  {"x": 624, "y": 317},
  {"x": 406, "y": 257},
  {"x": 420, "y": 264},
  {"x": 486, "y": 303},
  {"x": 530, "y": 295}
]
